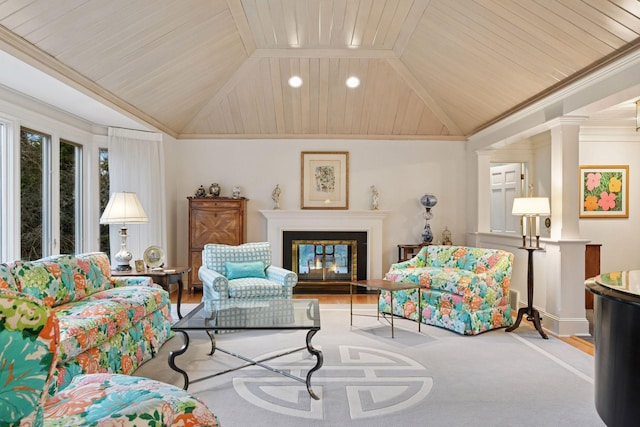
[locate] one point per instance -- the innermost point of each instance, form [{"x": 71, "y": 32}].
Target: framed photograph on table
[
  {"x": 604, "y": 191},
  {"x": 325, "y": 180}
]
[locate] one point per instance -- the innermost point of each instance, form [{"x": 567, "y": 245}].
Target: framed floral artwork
[
  {"x": 604, "y": 191},
  {"x": 325, "y": 180}
]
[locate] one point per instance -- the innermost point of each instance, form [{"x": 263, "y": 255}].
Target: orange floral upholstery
[
  {"x": 106, "y": 325},
  {"x": 464, "y": 289}
]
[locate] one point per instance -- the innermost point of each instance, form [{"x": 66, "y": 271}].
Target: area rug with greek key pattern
[{"x": 432, "y": 377}]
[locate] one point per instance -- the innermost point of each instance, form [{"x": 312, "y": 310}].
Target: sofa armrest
[
  {"x": 117, "y": 282},
  {"x": 401, "y": 265},
  {"x": 29, "y": 340},
  {"x": 283, "y": 276},
  {"x": 213, "y": 283}
]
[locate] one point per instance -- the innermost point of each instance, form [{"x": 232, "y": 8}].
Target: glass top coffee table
[{"x": 254, "y": 314}]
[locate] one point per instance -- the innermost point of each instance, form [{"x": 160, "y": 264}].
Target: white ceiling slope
[{"x": 429, "y": 69}]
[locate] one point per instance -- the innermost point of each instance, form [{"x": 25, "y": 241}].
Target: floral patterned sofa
[
  {"x": 106, "y": 324},
  {"x": 30, "y": 338},
  {"x": 463, "y": 289}
]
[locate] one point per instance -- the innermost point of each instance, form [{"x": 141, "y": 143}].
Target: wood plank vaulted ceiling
[{"x": 429, "y": 69}]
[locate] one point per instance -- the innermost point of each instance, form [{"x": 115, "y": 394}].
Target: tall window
[
  {"x": 35, "y": 192},
  {"x": 49, "y": 225},
  {"x": 104, "y": 198},
  {"x": 3, "y": 182},
  {"x": 70, "y": 190}
]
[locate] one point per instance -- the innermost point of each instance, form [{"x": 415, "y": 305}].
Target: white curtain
[{"x": 136, "y": 164}]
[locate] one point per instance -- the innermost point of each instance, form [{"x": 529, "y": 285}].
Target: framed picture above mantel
[
  {"x": 325, "y": 180},
  {"x": 604, "y": 191}
]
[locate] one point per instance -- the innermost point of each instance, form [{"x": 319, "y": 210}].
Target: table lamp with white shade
[
  {"x": 123, "y": 208},
  {"x": 531, "y": 208}
]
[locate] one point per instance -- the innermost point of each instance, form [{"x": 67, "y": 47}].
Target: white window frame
[
  {"x": 79, "y": 189},
  {"x": 9, "y": 192}
]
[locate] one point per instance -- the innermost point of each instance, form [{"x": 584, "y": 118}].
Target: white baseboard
[{"x": 514, "y": 299}]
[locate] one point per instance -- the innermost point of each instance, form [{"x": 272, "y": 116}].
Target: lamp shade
[
  {"x": 531, "y": 206},
  {"x": 123, "y": 208}
]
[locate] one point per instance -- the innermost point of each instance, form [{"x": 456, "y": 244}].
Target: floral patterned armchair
[
  {"x": 463, "y": 289},
  {"x": 29, "y": 340}
]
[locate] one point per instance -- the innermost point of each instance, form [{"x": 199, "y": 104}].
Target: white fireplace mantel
[{"x": 371, "y": 222}]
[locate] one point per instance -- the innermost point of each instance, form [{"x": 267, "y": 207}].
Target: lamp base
[
  {"x": 123, "y": 267},
  {"x": 533, "y": 316},
  {"x": 123, "y": 257}
]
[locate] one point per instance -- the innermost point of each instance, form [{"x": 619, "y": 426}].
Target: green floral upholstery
[
  {"x": 29, "y": 341},
  {"x": 106, "y": 324},
  {"x": 464, "y": 289},
  {"x": 6, "y": 278},
  {"x": 29, "y": 337},
  {"x": 121, "y": 400}
]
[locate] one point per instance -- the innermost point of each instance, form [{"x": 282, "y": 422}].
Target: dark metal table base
[
  {"x": 313, "y": 351},
  {"x": 533, "y": 315}
]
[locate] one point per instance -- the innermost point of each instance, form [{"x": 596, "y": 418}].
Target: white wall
[
  {"x": 618, "y": 236},
  {"x": 401, "y": 170}
]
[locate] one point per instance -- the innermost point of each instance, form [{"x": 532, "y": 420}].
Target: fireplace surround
[
  {"x": 370, "y": 222},
  {"x": 325, "y": 261}
]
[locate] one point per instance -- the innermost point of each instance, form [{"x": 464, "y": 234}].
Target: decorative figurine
[
  {"x": 446, "y": 236},
  {"x": 201, "y": 192},
  {"x": 214, "y": 190},
  {"x": 374, "y": 198},
  {"x": 236, "y": 193},
  {"x": 275, "y": 195},
  {"x": 428, "y": 201}
]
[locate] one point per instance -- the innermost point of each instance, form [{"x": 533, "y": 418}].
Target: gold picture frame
[
  {"x": 604, "y": 191},
  {"x": 325, "y": 180},
  {"x": 139, "y": 266}
]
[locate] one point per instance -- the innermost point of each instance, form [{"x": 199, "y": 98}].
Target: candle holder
[{"x": 530, "y": 209}]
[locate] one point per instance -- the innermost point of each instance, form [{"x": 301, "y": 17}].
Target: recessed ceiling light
[
  {"x": 295, "y": 81},
  {"x": 353, "y": 82}
]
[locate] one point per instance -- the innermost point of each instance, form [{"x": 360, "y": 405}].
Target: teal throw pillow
[{"x": 240, "y": 270}]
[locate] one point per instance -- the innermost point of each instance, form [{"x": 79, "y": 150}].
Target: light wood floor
[{"x": 196, "y": 296}]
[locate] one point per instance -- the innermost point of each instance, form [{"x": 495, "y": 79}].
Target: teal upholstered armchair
[{"x": 243, "y": 272}]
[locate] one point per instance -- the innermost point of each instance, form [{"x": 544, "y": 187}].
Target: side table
[
  {"x": 164, "y": 278},
  {"x": 406, "y": 252},
  {"x": 387, "y": 285}
]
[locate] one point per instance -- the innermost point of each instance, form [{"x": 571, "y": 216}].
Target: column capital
[{"x": 567, "y": 120}]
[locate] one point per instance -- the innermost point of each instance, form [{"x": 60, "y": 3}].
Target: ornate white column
[
  {"x": 564, "y": 257},
  {"x": 565, "y": 185}
]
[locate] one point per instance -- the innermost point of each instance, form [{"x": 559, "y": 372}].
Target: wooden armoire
[
  {"x": 591, "y": 269},
  {"x": 214, "y": 220}
]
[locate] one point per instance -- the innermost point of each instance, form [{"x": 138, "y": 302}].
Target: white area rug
[{"x": 433, "y": 378}]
